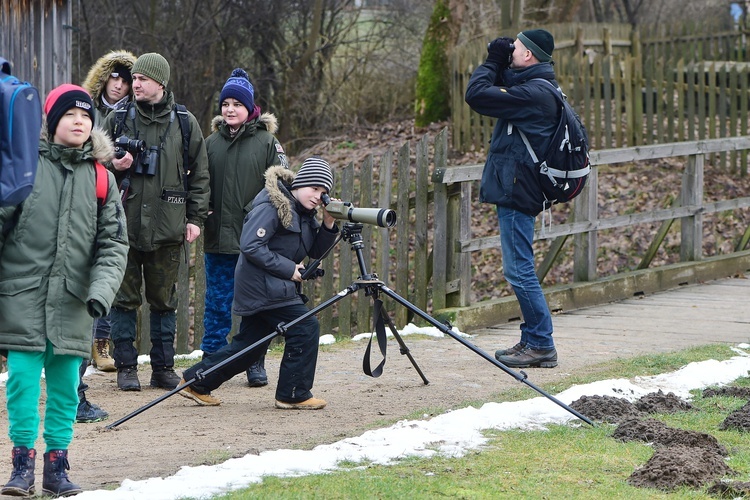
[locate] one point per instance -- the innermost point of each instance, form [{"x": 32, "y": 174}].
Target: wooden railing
[{"x": 690, "y": 210}]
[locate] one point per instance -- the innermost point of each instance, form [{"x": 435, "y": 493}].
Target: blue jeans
[{"x": 516, "y": 238}]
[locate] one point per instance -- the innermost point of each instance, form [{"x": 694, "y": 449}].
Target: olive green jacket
[
  {"x": 157, "y": 206},
  {"x": 63, "y": 260},
  {"x": 237, "y": 166}
]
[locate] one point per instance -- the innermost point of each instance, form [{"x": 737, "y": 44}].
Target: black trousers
[{"x": 297, "y": 370}]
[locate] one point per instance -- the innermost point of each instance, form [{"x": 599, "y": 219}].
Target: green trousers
[{"x": 24, "y": 389}]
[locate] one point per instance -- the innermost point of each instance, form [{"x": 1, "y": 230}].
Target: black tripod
[{"x": 373, "y": 287}]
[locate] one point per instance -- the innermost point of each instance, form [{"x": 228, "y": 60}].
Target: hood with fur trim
[
  {"x": 278, "y": 181},
  {"x": 265, "y": 120},
  {"x": 100, "y": 71}
]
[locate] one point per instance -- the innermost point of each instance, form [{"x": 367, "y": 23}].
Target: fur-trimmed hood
[
  {"x": 102, "y": 147},
  {"x": 278, "y": 181},
  {"x": 265, "y": 120},
  {"x": 102, "y": 68}
]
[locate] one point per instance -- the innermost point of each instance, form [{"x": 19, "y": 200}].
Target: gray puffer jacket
[{"x": 277, "y": 234}]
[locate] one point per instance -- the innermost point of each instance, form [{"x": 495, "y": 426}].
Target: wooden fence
[
  {"x": 427, "y": 256},
  {"x": 630, "y": 92}
]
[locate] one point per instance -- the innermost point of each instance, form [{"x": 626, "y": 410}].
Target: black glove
[{"x": 500, "y": 51}]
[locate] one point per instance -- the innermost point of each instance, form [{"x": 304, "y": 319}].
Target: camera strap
[{"x": 379, "y": 332}]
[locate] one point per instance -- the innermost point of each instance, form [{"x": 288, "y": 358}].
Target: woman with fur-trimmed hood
[
  {"x": 280, "y": 231},
  {"x": 109, "y": 82},
  {"x": 62, "y": 258},
  {"x": 240, "y": 149}
]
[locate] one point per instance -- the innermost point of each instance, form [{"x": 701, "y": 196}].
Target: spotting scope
[{"x": 344, "y": 210}]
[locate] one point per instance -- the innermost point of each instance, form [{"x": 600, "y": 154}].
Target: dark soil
[
  {"x": 682, "y": 458},
  {"x": 738, "y": 420},
  {"x": 680, "y": 465}
]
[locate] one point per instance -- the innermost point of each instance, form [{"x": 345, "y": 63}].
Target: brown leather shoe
[
  {"x": 309, "y": 404},
  {"x": 201, "y": 399}
]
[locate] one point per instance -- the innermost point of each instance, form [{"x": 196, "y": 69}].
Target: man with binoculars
[{"x": 165, "y": 190}]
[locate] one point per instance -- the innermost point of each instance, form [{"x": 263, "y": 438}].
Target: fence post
[
  {"x": 585, "y": 209},
  {"x": 691, "y": 246},
  {"x": 440, "y": 217}
]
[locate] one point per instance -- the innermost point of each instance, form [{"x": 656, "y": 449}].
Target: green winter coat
[
  {"x": 156, "y": 212},
  {"x": 237, "y": 166},
  {"x": 63, "y": 252}
]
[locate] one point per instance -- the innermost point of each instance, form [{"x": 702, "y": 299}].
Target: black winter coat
[
  {"x": 277, "y": 234},
  {"x": 510, "y": 178}
]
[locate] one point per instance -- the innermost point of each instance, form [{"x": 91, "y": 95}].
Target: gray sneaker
[
  {"x": 509, "y": 351},
  {"x": 530, "y": 358}
]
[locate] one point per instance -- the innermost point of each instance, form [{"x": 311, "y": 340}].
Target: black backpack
[
  {"x": 20, "y": 125},
  {"x": 564, "y": 167}
]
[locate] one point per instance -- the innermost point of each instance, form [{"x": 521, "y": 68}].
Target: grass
[{"x": 563, "y": 461}]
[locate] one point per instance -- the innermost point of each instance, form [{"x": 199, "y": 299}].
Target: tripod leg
[
  {"x": 280, "y": 330},
  {"x": 521, "y": 377},
  {"x": 404, "y": 349}
]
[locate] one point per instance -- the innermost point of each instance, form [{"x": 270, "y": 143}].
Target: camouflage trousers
[
  {"x": 158, "y": 270},
  {"x": 217, "y": 319}
]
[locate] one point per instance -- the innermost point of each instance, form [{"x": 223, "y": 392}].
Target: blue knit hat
[{"x": 238, "y": 87}]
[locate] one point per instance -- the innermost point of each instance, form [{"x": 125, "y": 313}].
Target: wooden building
[{"x": 36, "y": 37}]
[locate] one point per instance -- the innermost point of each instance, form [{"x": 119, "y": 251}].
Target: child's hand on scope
[{"x": 328, "y": 219}]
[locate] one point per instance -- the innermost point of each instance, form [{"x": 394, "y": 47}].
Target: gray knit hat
[
  {"x": 154, "y": 66},
  {"x": 541, "y": 43},
  {"x": 314, "y": 172}
]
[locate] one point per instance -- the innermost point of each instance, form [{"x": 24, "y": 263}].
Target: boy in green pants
[{"x": 62, "y": 257}]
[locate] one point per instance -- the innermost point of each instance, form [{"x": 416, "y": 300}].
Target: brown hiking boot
[
  {"x": 509, "y": 351},
  {"x": 310, "y": 404},
  {"x": 201, "y": 399},
  {"x": 530, "y": 358},
  {"x": 100, "y": 356}
]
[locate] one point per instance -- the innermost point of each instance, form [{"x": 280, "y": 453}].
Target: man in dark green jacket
[
  {"x": 240, "y": 150},
  {"x": 166, "y": 203}
]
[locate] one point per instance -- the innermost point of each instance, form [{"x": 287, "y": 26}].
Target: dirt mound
[
  {"x": 606, "y": 409},
  {"x": 680, "y": 465},
  {"x": 658, "y": 433},
  {"x": 738, "y": 420},
  {"x": 730, "y": 489},
  {"x": 736, "y": 392},
  {"x": 614, "y": 410},
  {"x": 658, "y": 402}
]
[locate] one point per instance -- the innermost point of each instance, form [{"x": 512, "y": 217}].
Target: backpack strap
[
  {"x": 120, "y": 114},
  {"x": 182, "y": 116},
  {"x": 102, "y": 184}
]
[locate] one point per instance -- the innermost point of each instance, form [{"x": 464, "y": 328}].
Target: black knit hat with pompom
[{"x": 238, "y": 87}]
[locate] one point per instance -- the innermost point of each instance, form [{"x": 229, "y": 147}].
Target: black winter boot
[
  {"x": 55, "y": 481},
  {"x": 21, "y": 482},
  {"x": 256, "y": 374}
]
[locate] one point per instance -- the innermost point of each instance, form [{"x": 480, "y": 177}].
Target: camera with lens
[
  {"x": 125, "y": 144},
  {"x": 147, "y": 162}
]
